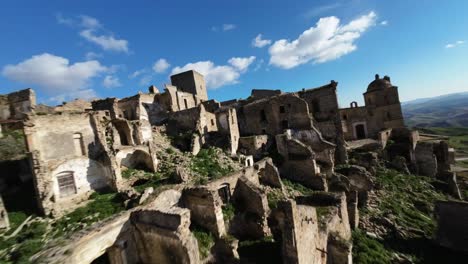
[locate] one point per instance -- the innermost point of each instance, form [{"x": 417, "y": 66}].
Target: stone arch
[
  {"x": 86, "y": 174},
  {"x": 136, "y": 159},
  {"x": 354, "y": 104}
]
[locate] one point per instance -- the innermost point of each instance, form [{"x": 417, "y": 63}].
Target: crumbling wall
[
  {"x": 17, "y": 105},
  {"x": 205, "y": 209},
  {"x": 273, "y": 115},
  {"x": 426, "y": 159},
  {"x": 253, "y": 145},
  {"x": 252, "y": 203}
]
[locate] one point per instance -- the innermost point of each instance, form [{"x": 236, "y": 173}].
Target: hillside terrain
[{"x": 443, "y": 111}]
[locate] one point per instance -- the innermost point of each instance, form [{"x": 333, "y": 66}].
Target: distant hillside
[{"x": 443, "y": 111}]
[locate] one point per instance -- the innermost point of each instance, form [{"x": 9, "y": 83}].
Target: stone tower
[
  {"x": 383, "y": 103},
  {"x": 191, "y": 82}
]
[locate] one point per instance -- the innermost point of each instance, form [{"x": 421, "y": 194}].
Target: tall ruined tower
[
  {"x": 383, "y": 103},
  {"x": 191, "y": 82}
]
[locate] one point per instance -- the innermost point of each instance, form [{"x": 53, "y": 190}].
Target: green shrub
[
  {"x": 205, "y": 240},
  {"x": 228, "y": 212},
  {"x": 206, "y": 164},
  {"x": 368, "y": 250}
]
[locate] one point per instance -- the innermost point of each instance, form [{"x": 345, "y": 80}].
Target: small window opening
[
  {"x": 282, "y": 109},
  {"x": 262, "y": 115}
]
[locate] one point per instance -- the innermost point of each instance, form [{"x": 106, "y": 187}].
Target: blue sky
[{"x": 69, "y": 49}]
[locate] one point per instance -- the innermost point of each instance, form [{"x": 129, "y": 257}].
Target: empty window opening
[
  {"x": 282, "y": 109},
  {"x": 264, "y": 131},
  {"x": 345, "y": 117},
  {"x": 79, "y": 144},
  {"x": 124, "y": 133},
  {"x": 354, "y": 104},
  {"x": 212, "y": 122},
  {"x": 66, "y": 183},
  {"x": 285, "y": 124},
  {"x": 389, "y": 116},
  {"x": 185, "y": 103},
  {"x": 262, "y": 115},
  {"x": 225, "y": 192}
]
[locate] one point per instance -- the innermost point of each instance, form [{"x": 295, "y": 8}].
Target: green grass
[
  {"x": 228, "y": 212},
  {"x": 27, "y": 243},
  {"x": 410, "y": 199},
  {"x": 408, "y": 202},
  {"x": 12, "y": 145},
  {"x": 368, "y": 250},
  {"x": 295, "y": 186},
  {"x": 100, "y": 207},
  {"x": 274, "y": 196},
  {"x": 205, "y": 240},
  {"x": 206, "y": 165}
]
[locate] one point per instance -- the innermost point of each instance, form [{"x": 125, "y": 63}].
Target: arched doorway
[{"x": 360, "y": 131}]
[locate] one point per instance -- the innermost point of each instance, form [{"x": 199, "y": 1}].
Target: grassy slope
[{"x": 406, "y": 203}]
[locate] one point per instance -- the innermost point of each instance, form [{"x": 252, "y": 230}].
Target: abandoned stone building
[{"x": 78, "y": 148}]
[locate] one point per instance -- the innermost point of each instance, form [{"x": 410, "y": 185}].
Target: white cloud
[
  {"x": 227, "y": 27},
  {"x": 106, "y": 42},
  {"x": 259, "y": 42},
  {"x": 93, "y": 31},
  {"x": 55, "y": 75},
  {"x": 111, "y": 82},
  {"x": 327, "y": 41},
  {"x": 455, "y": 44},
  {"x": 92, "y": 55},
  {"x": 161, "y": 66},
  {"x": 137, "y": 73},
  {"x": 241, "y": 64},
  {"x": 384, "y": 23},
  {"x": 218, "y": 75},
  {"x": 89, "y": 22}
]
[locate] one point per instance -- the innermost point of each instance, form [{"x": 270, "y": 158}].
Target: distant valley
[{"x": 442, "y": 111}]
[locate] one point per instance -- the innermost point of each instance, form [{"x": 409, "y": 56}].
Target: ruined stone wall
[
  {"x": 271, "y": 116},
  {"x": 128, "y": 108},
  {"x": 253, "y": 145},
  {"x": 227, "y": 125},
  {"x": 205, "y": 209},
  {"x": 108, "y": 104},
  {"x": 62, "y": 145},
  {"x": 351, "y": 117},
  {"x": 322, "y": 101},
  {"x": 264, "y": 93},
  {"x": 17, "y": 104}
]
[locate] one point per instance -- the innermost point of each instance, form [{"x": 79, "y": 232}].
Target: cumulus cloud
[
  {"x": 107, "y": 42},
  {"x": 93, "y": 31},
  {"x": 259, "y": 42},
  {"x": 327, "y": 41},
  {"x": 111, "y": 81},
  {"x": 161, "y": 66},
  {"x": 241, "y": 64},
  {"x": 55, "y": 75},
  {"x": 218, "y": 75},
  {"x": 455, "y": 44}
]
